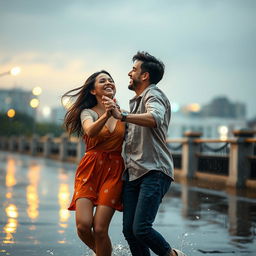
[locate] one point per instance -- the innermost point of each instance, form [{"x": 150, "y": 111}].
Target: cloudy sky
[{"x": 208, "y": 46}]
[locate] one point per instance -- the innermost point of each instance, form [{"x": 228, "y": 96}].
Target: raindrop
[{"x": 184, "y": 235}]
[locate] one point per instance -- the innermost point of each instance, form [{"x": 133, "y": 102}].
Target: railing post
[
  {"x": 11, "y": 143},
  {"x": 63, "y": 146},
  {"x": 47, "y": 145},
  {"x": 80, "y": 150},
  {"x": 6, "y": 143},
  {"x": 189, "y": 159},
  {"x": 33, "y": 145},
  {"x": 1, "y": 143},
  {"x": 21, "y": 145},
  {"x": 239, "y": 166}
]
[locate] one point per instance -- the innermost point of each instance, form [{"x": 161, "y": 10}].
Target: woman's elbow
[{"x": 90, "y": 134}]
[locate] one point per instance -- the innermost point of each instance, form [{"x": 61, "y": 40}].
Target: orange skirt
[{"x": 99, "y": 178}]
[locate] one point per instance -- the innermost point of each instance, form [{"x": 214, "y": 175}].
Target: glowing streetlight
[
  {"x": 46, "y": 111},
  {"x": 194, "y": 107},
  {"x": 37, "y": 91},
  {"x": 34, "y": 103},
  {"x": 14, "y": 72},
  {"x": 223, "y": 131},
  {"x": 11, "y": 113}
]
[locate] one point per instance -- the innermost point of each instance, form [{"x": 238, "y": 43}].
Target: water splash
[
  {"x": 118, "y": 250},
  {"x": 121, "y": 250},
  {"x": 50, "y": 251},
  {"x": 183, "y": 239}
]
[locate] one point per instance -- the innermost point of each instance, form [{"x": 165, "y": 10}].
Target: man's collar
[{"x": 144, "y": 92}]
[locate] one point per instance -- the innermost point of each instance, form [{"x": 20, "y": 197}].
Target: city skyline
[{"x": 208, "y": 46}]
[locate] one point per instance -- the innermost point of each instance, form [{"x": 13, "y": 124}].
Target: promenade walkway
[{"x": 35, "y": 193}]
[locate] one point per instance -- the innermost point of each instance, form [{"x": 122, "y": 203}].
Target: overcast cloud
[{"x": 208, "y": 46}]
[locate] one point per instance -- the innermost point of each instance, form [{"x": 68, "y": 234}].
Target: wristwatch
[{"x": 124, "y": 115}]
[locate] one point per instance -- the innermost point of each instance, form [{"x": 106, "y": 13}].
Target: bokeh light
[
  {"x": 15, "y": 71},
  {"x": 46, "y": 111},
  {"x": 11, "y": 113},
  {"x": 37, "y": 91},
  {"x": 34, "y": 103}
]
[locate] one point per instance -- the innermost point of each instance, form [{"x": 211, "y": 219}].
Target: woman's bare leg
[
  {"x": 102, "y": 218},
  {"x": 84, "y": 222}
]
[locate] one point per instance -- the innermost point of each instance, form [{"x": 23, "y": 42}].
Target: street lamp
[
  {"x": 11, "y": 113},
  {"x": 13, "y": 72},
  {"x": 34, "y": 103},
  {"x": 37, "y": 91}
]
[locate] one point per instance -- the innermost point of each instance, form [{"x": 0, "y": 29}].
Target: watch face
[{"x": 124, "y": 115}]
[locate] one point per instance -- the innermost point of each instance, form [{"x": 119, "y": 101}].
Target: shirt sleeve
[
  {"x": 85, "y": 115},
  {"x": 157, "y": 107}
]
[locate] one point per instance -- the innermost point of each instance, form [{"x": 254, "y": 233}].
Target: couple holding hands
[{"x": 127, "y": 165}]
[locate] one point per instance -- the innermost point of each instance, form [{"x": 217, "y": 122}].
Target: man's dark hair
[{"x": 150, "y": 64}]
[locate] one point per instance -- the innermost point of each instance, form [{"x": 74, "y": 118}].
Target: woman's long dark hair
[{"x": 83, "y": 99}]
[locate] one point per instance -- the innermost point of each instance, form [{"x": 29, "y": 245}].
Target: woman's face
[{"x": 104, "y": 85}]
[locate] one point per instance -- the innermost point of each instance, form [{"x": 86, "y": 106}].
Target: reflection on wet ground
[{"x": 35, "y": 193}]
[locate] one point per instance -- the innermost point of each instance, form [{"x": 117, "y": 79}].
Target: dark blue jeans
[{"x": 141, "y": 199}]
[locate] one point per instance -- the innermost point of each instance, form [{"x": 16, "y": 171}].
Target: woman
[{"x": 98, "y": 177}]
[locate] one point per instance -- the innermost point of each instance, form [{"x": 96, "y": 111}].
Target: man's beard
[{"x": 133, "y": 85}]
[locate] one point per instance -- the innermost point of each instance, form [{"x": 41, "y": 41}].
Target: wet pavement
[{"x": 35, "y": 193}]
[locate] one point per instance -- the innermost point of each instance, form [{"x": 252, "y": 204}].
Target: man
[{"x": 149, "y": 165}]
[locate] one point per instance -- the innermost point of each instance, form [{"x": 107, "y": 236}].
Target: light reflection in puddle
[
  {"x": 198, "y": 220},
  {"x": 12, "y": 223},
  {"x": 63, "y": 199},
  {"x": 10, "y": 179},
  {"x": 8, "y": 195},
  {"x": 11, "y": 211},
  {"x": 32, "y": 191}
]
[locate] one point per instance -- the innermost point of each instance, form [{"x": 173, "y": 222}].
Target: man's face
[{"x": 135, "y": 75}]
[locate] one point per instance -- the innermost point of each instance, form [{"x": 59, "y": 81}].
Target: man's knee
[
  {"x": 140, "y": 232},
  {"x": 127, "y": 231}
]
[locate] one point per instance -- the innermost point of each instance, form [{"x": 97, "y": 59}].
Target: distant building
[
  {"x": 210, "y": 127},
  {"x": 215, "y": 120},
  {"x": 57, "y": 115},
  {"x": 17, "y": 99},
  {"x": 222, "y": 107}
]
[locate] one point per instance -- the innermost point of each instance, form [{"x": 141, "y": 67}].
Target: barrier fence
[{"x": 230, "y": 161}]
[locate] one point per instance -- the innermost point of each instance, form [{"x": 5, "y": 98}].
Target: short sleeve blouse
[{"x": 88, "y": 114}]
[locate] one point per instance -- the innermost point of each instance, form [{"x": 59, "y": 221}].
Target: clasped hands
[{"x": 111, "y": 107}]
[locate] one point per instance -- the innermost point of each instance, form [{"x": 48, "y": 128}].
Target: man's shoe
[{"x": 179, "y": 253}]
